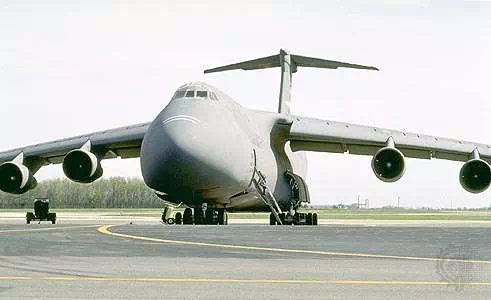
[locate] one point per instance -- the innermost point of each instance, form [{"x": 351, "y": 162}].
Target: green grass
[{"x": 324, "y": 214}]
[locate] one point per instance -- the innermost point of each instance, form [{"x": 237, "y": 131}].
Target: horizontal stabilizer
[
  {"x": 260, "y": 63},
  {"x": 303, "y": 61},
  {"x": 296, "y": 60},
  {"x": 289, "y": 64}
]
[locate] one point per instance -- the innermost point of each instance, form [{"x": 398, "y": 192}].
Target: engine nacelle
[
  {"x": 82, "y": 166},
  {"x": 388, "y": 164},
  {"x": 475, "y": 176},
  {"x": 16, "y": 178}
]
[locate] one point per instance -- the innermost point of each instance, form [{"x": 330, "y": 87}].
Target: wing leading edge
[
  {"x": 309, "y": 134},
  {"x": 124, "y": 142},
  {"x": 297, "y": 61}
]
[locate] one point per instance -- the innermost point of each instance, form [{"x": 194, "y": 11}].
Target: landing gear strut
[
  {"x": 222, "y": 217},
  {"x": 300, "y": 195}
]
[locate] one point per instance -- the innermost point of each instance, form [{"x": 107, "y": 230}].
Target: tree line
[{"x": 115, "y": 192}]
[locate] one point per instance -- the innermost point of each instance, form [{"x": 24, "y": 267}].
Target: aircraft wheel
[
  {"x": 309, "y": 220},
  {"x": 199, "y": 217},
  {"x": 178, "y": 218},
  {"x": 187, "y": 218},
  {"x": 29, "y": 217},
  {"x": 222, "y": 215},
  {"x": 209, "y": 216},
  {"x": 272, "y": 219},
  {"x": 314, "y": 219},
  {"x": 52, "y": 218}
]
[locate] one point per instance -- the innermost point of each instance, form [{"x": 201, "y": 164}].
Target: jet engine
[
  {"x": 388, "y": 163},
  {"x": 16, "y": 178},
  {"x": 475, "y": 175},
  {"x": 82, "y": 166}
]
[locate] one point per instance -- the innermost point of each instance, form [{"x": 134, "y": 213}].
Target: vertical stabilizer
[{"x": 287, "y": 69}]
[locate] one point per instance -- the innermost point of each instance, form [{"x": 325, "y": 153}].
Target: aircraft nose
[{"x": 196, "y": 152}]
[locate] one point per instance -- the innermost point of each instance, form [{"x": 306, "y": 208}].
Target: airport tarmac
[{"x": 92, "y": 259}]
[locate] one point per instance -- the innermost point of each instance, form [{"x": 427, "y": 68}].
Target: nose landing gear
[
  {"x": 197, "y": 216},
  {"x": 188, "y": 218},
  {"x": 298, "y": 218}
]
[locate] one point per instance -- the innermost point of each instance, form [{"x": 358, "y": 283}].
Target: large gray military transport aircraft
[{"x": 210, "y": 154}]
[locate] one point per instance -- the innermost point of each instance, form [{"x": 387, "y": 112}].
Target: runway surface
[{"x": 151, "y": 260}]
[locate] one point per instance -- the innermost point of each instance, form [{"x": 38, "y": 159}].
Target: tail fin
[{"x": 289, "y": 64}]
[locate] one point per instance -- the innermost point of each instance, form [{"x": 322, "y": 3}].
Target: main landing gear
[
  {"x": 293, "y": 217},
  {"x": 297, "y": 218},
  {"x": 198, "y": 216}
]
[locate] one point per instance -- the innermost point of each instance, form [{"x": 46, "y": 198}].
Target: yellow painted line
[
  {"x": 47, "y": 229},
  {"x": 105, "y": 230},
  {"x": 223, "y": 280},
  {"x": 13, "y": 278}
]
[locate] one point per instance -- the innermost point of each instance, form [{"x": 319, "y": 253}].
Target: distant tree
[{"x": 115, "y": 192}]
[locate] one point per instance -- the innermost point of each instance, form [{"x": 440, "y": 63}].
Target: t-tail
[{"x": 289, "y": 64}]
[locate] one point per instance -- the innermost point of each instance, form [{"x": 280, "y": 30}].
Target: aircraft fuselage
[{"x": 200, "y": 150}]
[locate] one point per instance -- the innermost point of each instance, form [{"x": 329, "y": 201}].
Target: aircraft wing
[
  {"x": 309, "y": 134},
  {"x": 124, "y": 142}
]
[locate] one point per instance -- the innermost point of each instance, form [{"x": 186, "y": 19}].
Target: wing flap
[
  {"x": 128, "y": 153},
  {"x": 316, "y": 146}
]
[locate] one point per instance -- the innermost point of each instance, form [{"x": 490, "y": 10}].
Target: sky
[{"x": 74, "y": 67}]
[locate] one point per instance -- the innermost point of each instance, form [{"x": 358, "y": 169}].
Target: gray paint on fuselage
[{"x": 200, "y": 150}]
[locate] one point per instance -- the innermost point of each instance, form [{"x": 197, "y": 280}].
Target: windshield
[{"x": 195, "y": 94}]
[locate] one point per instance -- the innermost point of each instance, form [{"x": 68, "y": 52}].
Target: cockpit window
[
  {"x": 202, "y": 94},
  {"x": 190, "y": 94},
  {"x": 213, "y": 96},
  {"x": 179, "y": 94}
]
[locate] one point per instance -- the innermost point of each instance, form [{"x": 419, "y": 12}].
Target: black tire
[
  {"x": 221, "y": 216},
  {"x": 29, "y": 217},
  {"x": 314, "y": 219},
  {"x": 178, "y": 218},
  {"x": 163, "y": 218},
  {"x": 187, "y": 218},
  {"x": 52, "y": 218},
  {"x": 199, "y": 217},
  {"x": 225, "y": 222},
  {"x": 309, "y": 219},
  {"x": 209, "y": 216},
  {"x": 272, "y": 219},
  {"x": 171, "y": 221}
]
